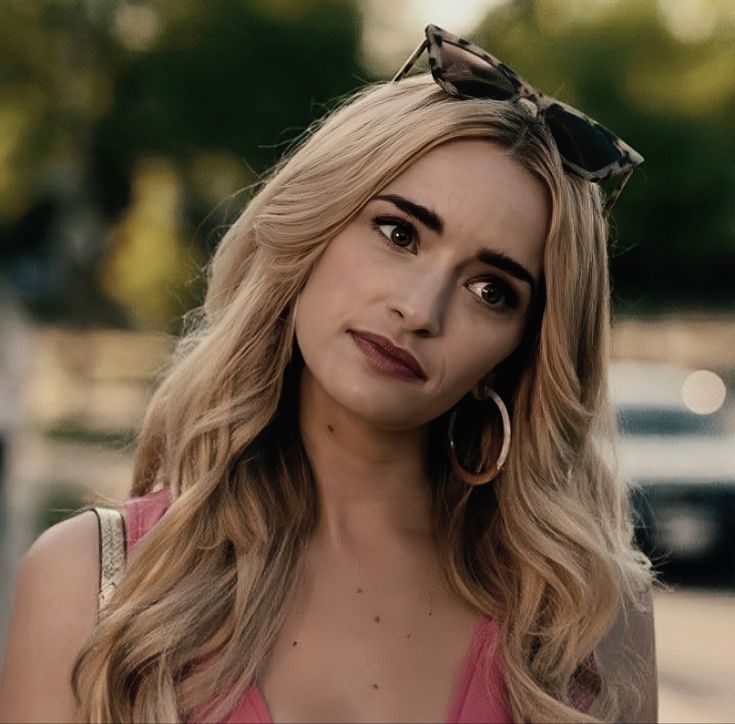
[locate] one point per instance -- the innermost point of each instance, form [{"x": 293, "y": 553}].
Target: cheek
[
  {"x": 479, "y": 348},
  {"x": 330, "y": 294},
  {"x": 345, "y": 279},
  {"x": 314, "y": 310}
]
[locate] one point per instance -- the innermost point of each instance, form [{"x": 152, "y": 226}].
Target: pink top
[{"x": 478, "y": 696}]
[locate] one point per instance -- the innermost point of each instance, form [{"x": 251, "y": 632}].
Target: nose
[{"x": 421, "y": 303}]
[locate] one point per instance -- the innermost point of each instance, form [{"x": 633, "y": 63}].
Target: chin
[
  {"x": 382, "y": 408},
  {"x": 383, "y": 402}
]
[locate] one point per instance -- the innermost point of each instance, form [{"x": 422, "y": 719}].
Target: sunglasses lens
[
  {"x": 473, "y": 76},
  {"x": 464, "y": 70},
  {"x": 585, "y": 145}
]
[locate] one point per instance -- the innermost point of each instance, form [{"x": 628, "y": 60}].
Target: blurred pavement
[{"x": 695, "y": 642}]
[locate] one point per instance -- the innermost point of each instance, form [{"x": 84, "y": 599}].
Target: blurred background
[{"x": 130, "y": 131}]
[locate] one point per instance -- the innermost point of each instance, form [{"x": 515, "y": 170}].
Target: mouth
[{"x": 388, "y": 357}]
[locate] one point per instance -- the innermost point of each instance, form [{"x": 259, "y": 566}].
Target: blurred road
[{"x": 695, "y": 641}]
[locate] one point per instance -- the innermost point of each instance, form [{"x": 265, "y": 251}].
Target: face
[{"x": 428, "y": 288}]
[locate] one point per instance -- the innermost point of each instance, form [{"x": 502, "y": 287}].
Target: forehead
[{"x": 484, "y": 197}]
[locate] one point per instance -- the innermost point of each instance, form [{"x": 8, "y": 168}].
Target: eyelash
[{"x": 510, "y": 298}]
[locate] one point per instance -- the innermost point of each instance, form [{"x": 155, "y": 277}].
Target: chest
[{"x": 380, "y": 651}]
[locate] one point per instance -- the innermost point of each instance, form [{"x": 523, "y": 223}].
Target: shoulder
[
  {"x": 64, "y": 560},
  {"x": 63, "y": 565},
  {"x": 627, "y": 656},
  {"x": 54, "y": 612}
]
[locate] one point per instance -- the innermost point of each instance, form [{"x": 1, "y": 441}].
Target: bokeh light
[{"x": 703, "y": 392}]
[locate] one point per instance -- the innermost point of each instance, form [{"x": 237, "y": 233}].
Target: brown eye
[
  {"x": 400, "y": 236},
  {"x": 494, "y": 293},
  {"x": 397, "y": 233}
]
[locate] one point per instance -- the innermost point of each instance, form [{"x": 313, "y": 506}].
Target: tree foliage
[
  {"x": 670, "y": 92},
  {"x": 104, "y": 99},
  {"x": 98, "y": 92}
]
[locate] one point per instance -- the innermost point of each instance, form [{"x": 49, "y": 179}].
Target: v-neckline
[{"x": 259, "y": 702}]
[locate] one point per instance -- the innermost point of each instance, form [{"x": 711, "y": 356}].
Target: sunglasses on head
[{"x": 587, "y": 149}]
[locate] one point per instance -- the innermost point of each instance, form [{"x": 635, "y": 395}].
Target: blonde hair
[{"x": 545, "y": 550}]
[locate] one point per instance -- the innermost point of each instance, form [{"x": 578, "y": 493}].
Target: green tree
[
  {"x": 96, "y": 90},
  {"x": 669, "y": 94}
]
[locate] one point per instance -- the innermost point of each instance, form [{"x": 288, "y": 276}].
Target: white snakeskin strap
[{"x": 112, "y": 552}]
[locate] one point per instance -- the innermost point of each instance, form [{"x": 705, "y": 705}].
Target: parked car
[{"x": 682, "y": 466}]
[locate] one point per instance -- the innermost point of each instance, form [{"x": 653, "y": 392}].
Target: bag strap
[{"x": 112, "y": 545}]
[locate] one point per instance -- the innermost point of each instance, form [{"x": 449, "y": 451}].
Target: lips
[{"x": 389, "y": 357}]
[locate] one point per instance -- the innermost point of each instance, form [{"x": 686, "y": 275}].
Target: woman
[{"x": 337, "y": 524}]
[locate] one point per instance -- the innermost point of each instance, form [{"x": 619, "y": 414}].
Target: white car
[{"x": 677, "y": 446}]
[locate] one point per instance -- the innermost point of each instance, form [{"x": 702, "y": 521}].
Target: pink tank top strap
[
  {"x": 480, "y": 694},
  {"x": 141, "y": 514},
  {"x": 478, "y": 697}
]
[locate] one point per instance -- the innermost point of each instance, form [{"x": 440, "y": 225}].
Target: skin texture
[
  {"x": 420, "y": 297},
  {"x": 54, "y": 612},
  {"x": 373, "y": 556},
  {"x": 365, "y": 430},
  {"x": 371, "y": 606}
]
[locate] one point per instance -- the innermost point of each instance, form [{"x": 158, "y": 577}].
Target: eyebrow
[
  {"x": 427, "y": 217},
  {"x": 511, "y": 266},
  {"x": 433, "y": 221}
]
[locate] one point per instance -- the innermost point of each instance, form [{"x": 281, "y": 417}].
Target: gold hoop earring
[{"x": 480, "y": 477}]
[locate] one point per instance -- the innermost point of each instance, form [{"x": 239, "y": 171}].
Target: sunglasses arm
[
  {"x": 615, "y": 193},
  {"x": 411, "y": 60}
]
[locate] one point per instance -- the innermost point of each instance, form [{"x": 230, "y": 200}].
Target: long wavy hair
[{"x": 545, "y": 549}]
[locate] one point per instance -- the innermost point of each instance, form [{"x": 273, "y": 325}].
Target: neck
[{"x": 372, "y": 483}]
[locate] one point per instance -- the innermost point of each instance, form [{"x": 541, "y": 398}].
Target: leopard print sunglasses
[{"x": 587, "y": 149}]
